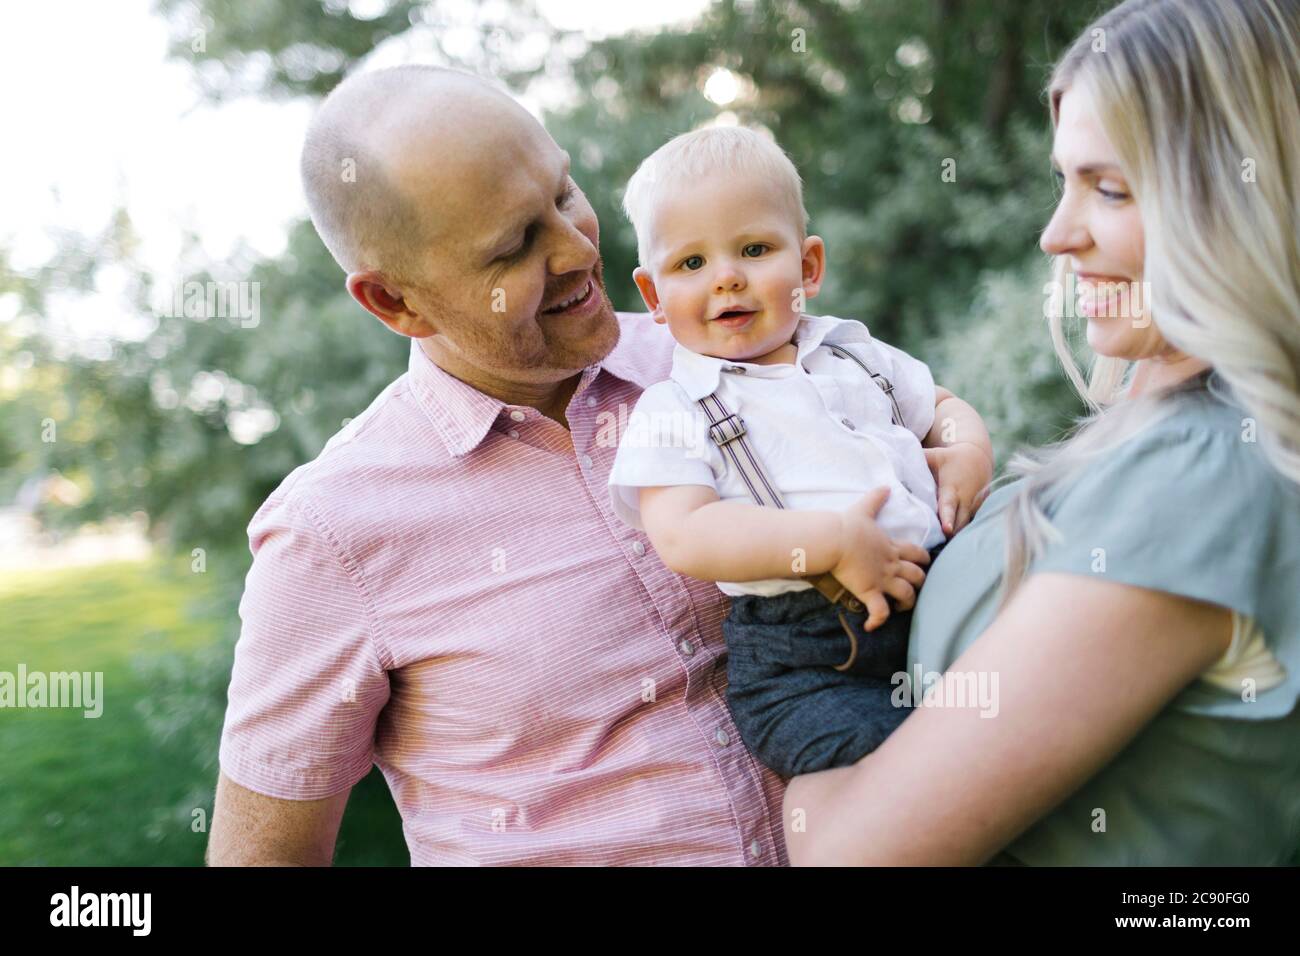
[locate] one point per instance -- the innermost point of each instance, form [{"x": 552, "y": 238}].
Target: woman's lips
[{"x": 1101, "y": 296}]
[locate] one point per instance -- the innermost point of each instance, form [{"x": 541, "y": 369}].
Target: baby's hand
[
  {"x": 962, "y": 471},
  {"x": 872, "y": 564}
]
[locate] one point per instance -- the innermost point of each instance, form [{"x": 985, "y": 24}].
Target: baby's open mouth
[{"x": 734, "y": 318}]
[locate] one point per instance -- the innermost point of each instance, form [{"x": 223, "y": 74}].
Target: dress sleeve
[
  {"x": 665, "y": 442},
  {"x": 307, "y": 685},
  {"x": 1196, "y": 510}
]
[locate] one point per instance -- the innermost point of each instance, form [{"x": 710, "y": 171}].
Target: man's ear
[
  {"x": 646, "y": 284},
  {"x": 814, "y": 265},
  {"x": 382, "y": 298}
]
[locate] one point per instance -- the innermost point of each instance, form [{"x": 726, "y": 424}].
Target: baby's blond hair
[{"x": 701, "y": 152}]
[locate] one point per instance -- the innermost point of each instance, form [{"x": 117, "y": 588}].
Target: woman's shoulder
[
  {"x": 1192, "y": 505},
  {"x": 1205, "y": 450},
  {"x": 1208, "y": 410}
]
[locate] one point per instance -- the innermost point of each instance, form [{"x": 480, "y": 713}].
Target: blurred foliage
[
  {"x": 874, "y": 100},
  {"x": 286, "y": 48},
  {"x": 151, "y": 427}
]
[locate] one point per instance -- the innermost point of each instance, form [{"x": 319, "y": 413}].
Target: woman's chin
[{"x": 1109, "y": 337}]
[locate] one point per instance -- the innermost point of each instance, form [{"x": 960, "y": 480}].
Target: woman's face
[{"x": 1097, "y": 226}]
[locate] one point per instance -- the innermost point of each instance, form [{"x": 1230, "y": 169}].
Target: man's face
[{"x": 511, "y": 277}]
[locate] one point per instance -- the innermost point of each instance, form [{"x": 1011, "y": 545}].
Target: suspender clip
[{"x": 726, "y": 430}]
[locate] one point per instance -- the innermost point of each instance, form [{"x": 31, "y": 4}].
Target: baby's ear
[
  {"x": 814, "y": 265},
  {"x": 645, "y": 283}
]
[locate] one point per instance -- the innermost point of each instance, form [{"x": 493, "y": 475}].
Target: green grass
[{"x": 122, "y": 789}]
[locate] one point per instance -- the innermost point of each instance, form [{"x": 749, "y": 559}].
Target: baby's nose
[{"x": 729, "y": 279}]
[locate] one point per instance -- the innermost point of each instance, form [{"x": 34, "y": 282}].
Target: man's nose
[
  {"x": 728, "y": 278},
  {"x": 573, "y": 252}
]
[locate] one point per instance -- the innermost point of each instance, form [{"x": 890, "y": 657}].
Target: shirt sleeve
[
  {"x": 307, "y": 685},
  {"x": 913, "y": 386},
  {"x": 1198, "y": 512},
  {"x": 665, "y": 442}
]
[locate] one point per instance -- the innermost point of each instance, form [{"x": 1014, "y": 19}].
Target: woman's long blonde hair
[{"x": 1201, "y": 101}]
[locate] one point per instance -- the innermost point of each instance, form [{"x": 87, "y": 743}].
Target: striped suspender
[
  {"x": 727, "y": 430},
  {"x": 885, "y": 384}
]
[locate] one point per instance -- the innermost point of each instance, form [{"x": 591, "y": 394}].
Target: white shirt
[
  {"x": 820, "y": 427},
  {"x": 1247, "y": 657}
]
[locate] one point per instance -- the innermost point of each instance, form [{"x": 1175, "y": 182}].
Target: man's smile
[{"x": 576, "y": 303}]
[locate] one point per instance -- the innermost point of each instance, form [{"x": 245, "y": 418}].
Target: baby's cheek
[{"x": 685, "y": 303}]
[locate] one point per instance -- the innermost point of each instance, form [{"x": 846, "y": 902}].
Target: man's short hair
[
  {"x": 703, "y": 152},
  {"x": 359, "y": 210}
]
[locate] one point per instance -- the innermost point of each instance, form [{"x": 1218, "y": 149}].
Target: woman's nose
[{"x": 1065, "y": 231}]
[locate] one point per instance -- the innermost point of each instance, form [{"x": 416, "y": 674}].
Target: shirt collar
[
  {"x": 699, "y": 375},
  {"x": 463, "y": 415}
]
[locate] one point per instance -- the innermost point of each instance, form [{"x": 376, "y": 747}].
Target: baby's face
[{"x": 727, "y": 271}]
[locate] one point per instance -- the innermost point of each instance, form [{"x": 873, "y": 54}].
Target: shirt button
[
  {"x": 848, "y": 424},
  {"x": 722, "y": 737},
  {"x": 591, "y": 401},
  {"x": 755, "y": 849},
  {"x": 638, "y": 547},
  {"x": 512, "y": 433},
  {"x": 586, "y": 461},
  {"x": 686, "y": 647},
  {"x": 517, "y": 415}
]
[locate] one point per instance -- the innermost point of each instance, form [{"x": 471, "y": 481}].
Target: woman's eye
[
  {"x": 757, "y": 247},
  {"x": 1112, "y": 195},
  {"x": 692, "y": 262},
  {"x": 566, "y": 197}
]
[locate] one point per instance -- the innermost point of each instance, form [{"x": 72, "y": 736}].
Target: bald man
[{"x": 445, "y": 591}]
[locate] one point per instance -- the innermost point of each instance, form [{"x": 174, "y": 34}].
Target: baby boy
[{"x": 785, "y": 446}]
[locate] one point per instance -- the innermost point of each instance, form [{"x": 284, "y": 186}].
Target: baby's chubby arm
[
  {"x": 960, "y": 454},
  {"x": 699, "y": 535}
]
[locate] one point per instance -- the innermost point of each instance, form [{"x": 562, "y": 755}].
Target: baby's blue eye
[
  {"x": 754, "y": 245},
  {"x": 693, "y": 262}
]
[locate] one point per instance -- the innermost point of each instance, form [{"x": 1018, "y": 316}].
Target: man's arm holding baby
[
  {"x": 960, "y": 455},
  {"x": 699, "y": 535}
]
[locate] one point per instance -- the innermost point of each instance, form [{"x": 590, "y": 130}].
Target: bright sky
[{"x": 97, "y": 117}]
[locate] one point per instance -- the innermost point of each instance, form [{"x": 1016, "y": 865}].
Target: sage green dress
[{"x": 1189, "y": 506}]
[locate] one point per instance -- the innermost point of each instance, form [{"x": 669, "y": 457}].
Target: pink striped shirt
[{"x": 446, "y": 592}]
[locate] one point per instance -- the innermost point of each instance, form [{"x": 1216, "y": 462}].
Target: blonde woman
[{"x": 1119, "y": 628}]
